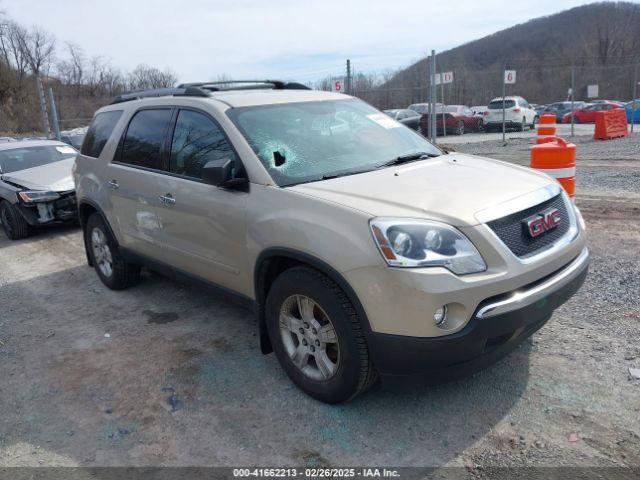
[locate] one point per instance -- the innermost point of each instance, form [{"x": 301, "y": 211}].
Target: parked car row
[{"x": 519, "y": 114}]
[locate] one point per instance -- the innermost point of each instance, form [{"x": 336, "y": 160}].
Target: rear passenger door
[
  {"x": 132, "y": 180},
  {"x": 203, "y": 226}
]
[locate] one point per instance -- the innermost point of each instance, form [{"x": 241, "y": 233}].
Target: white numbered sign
[
  {"x": 336, "y": 86},
  {"x": 509, "y": 76},
  {"x": 447, "y": 77}
]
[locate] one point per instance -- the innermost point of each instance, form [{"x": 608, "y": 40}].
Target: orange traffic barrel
[
  {"x": 546, "y": 127},
  {"x": 556, "y": 158}
]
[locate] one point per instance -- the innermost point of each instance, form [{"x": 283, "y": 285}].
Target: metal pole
[
  {"x": 444, "y": 129},
  {"x": 504, "y": 94},
  {"x": 348, "y": 77},
  {"x": 432, "y": 113},
  {"x": 573, "y": 95},
  {"x": 54, "y": 114},
  {"x": 429, "y": 100},
  {"x": 43, "y": 108},
  {"x": 634, "y": 97}
]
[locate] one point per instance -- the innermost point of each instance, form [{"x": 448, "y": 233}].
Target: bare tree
[
  {"x": 39, "y": 47},
  {"x": 13, "y": 41},
  {"x": 144, "y": 76}
]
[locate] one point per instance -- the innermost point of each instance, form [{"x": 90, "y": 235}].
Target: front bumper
[
  {"x": 507, "y": 123},
  {"x": 61, "y": 210},
  {"x": 499, "y": 324}
]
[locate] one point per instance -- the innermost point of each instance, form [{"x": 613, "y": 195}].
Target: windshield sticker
[
  {"x": 66, "y": 150},
  {"x": 384, "y": 120}
]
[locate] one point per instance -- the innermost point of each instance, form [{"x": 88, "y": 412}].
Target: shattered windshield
[{"x": 309, "y": 141}]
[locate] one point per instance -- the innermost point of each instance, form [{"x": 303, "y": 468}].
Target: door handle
[
  {"x": 113, "y": 184},
  {"x": 167, "y": 199}
]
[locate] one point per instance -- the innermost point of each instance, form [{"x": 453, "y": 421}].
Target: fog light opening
[{"x": 440, "y": 316}]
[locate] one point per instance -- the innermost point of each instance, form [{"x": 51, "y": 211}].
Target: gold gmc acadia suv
[{"x": 365, "y": 250}]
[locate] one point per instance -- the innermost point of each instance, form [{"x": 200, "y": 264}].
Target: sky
[{"x": 302, "y": 40}]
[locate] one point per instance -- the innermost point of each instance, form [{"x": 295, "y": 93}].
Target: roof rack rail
[
  {"x": 180, "y": 91},
  {"x": 224, "y": 85}
]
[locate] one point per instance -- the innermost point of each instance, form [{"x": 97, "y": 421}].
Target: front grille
[{"x": 513, "y": 233}]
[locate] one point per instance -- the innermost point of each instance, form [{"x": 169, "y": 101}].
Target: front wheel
[
  {"x": 459, "y": 128},
  {"x": 317, "y": 336},
  {"x": 111, "y": 268},
  {"x": 13, "y": 224}
]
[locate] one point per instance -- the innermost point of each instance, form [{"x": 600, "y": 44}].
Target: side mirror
[{"x": 220, "y": 174}]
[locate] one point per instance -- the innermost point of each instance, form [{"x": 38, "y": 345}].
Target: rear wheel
[
  {"x": 13, "y": 224},
  {"x": 111, "y": 268},
  {"x": 523, "y": 125},
  {"x": 317, "y": 336}
]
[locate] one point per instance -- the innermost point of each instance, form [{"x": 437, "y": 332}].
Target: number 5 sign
[
  {"x": 336, "y": 85},
  {"x": 509, "y": 77}
]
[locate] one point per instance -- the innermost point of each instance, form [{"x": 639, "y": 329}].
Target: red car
[
  {"x": 588, "y": 114},
  {"x": 457, "y": 120}
]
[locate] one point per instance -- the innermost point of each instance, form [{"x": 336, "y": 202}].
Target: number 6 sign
[{"x": 509, "y": 77}]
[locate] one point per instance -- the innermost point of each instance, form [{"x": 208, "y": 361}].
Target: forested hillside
[{"x": 602, "y": 41}]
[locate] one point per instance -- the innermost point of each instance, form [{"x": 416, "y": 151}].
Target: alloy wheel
[
  {"x": 101, "y": 252},
  {"x": 309, "y": 337}
]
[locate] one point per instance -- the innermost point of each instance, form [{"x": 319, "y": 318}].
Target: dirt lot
[{"x": 169, "y": 374}]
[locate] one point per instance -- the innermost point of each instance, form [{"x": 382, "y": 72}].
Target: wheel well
[
  {"x": 85, "y": 210},
  {"x": 271, "y": 264}
]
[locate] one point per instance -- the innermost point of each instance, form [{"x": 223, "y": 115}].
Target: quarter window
[
  {"x": 197, "y": 140},
  {"x": 99, "y": 132},
  {"x": 142, "y": 144}
]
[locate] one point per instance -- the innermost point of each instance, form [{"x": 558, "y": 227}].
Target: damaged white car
[{"x": 36, "y": 185}]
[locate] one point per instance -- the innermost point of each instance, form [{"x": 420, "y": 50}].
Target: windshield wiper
[{"x": 410, "y": 157}]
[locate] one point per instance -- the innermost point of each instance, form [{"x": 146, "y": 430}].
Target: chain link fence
[{"x": 540, "y": 84}]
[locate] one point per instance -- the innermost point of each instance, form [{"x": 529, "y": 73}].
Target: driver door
[{"x": 203, "y": 226}]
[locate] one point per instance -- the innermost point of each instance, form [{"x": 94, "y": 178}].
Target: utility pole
[
  {"x": 573, "y": 94},
  {"x": 349, "y": 92},
  {"x": 54, "y": 114},
  {"x": 429, "y": 100},
  {"x": 504, "y": 114},
  {"x": 635, "y": 95},
  {"x": 432, "y": 112},
  {"x": 43, "y": 108},
  {"x": 444, "y": 129}
]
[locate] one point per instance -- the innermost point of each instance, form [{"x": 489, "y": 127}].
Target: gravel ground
[{"x": 169, "y": 374}]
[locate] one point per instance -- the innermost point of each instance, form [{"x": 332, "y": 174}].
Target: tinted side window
[
  {"x": 142, "y": 144},
  {"x": 196, "y": 141},
  {"x": 99, "y": 132}
]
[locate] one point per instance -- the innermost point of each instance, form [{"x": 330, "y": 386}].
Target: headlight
[
  {"x": 422, "y": 243},
  {"x": 33, "y": 196}
]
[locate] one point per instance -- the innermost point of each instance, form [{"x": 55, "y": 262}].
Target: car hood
[
  {"x": 451, "y": 188},
  {"x": 55, "y": 177}
]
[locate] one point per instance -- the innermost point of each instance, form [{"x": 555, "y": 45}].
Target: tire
[
  {"x": 348, "y": 371},
  {"x": 523, "y": 125},
  {"x": 459, "y": 128},
  {"x": 111, "y": 268},
  {"x": 13, "y": 224},
  {"x": 480, "y": 126}
]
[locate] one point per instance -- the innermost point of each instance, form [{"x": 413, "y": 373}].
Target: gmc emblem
[{"x": 541, "y": 222}]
